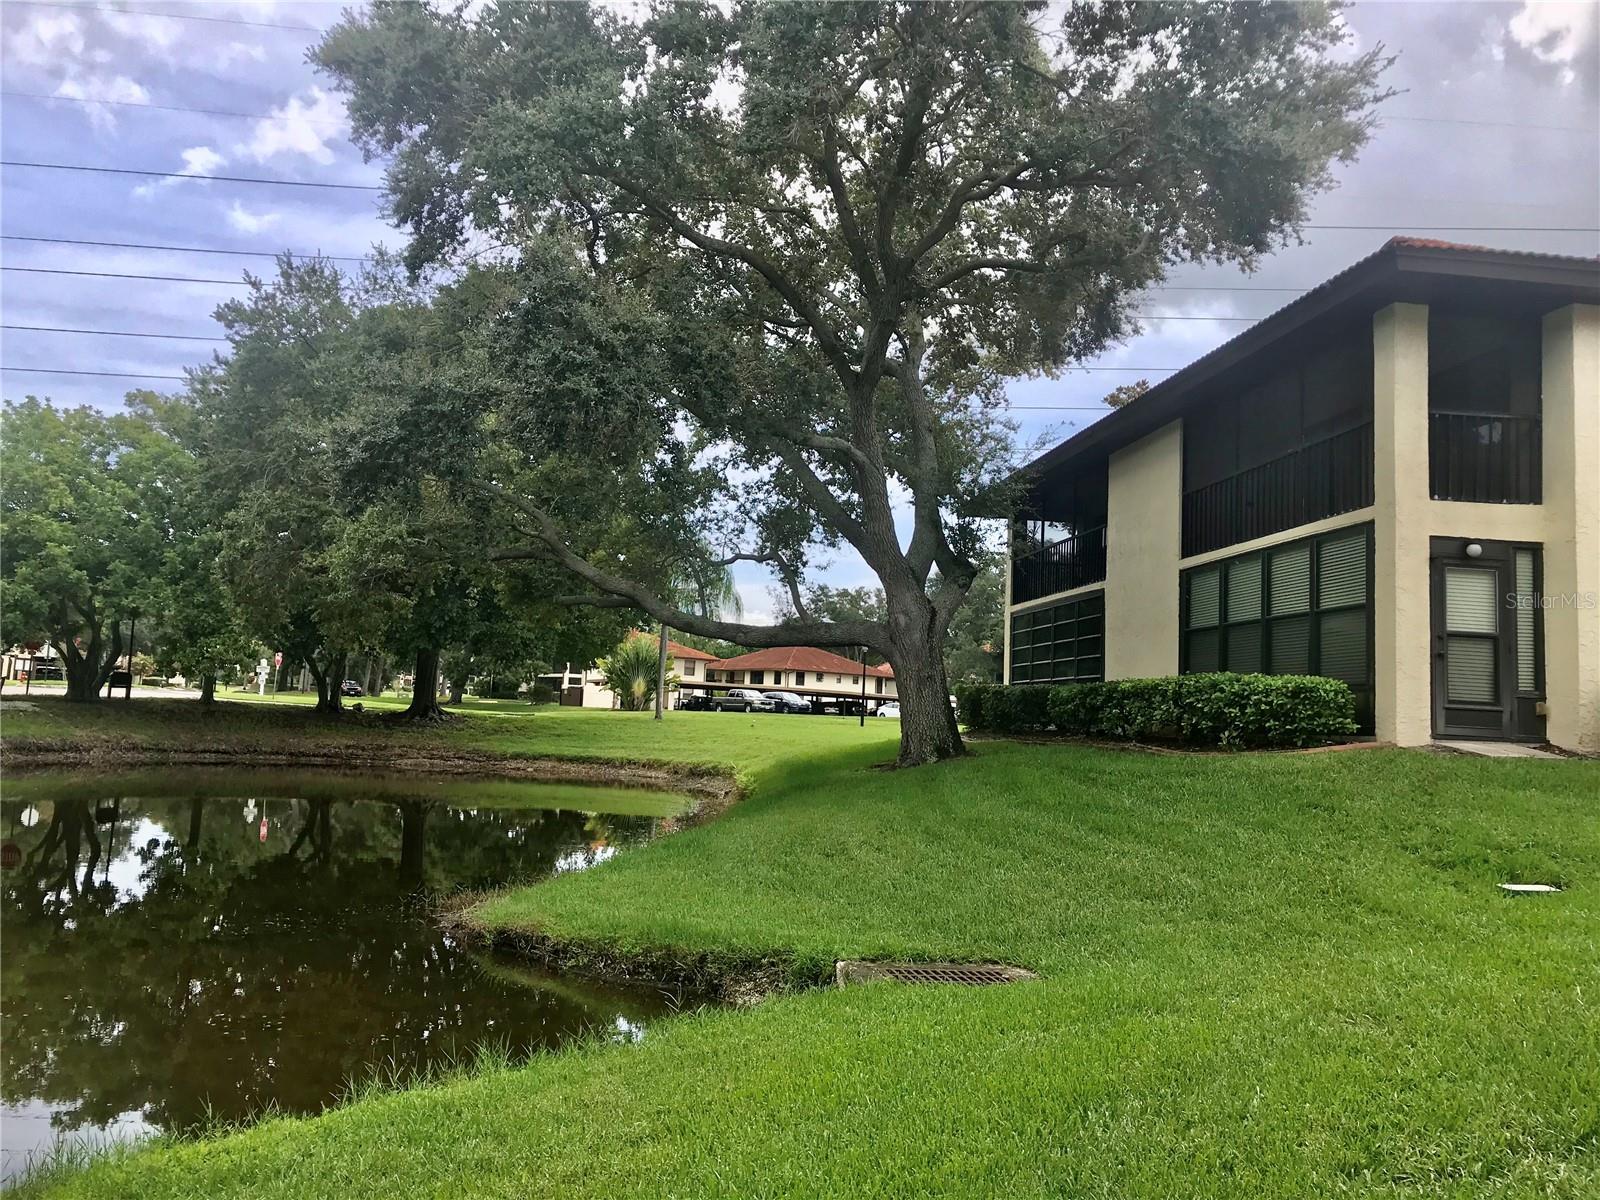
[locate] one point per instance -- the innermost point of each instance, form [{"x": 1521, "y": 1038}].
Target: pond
[{"x": 190, "y": 946}]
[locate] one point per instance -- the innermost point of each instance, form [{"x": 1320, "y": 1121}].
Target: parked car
[
  {"x": 694, "y": 702},
  {"x": 742, "y": 700},
  {"x": 891, "y": 709},
  {"x": 788, "y": 702},
  {"x": 350, "y": 688}
]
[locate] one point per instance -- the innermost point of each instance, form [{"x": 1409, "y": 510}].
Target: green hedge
[{"x": 1233, "y": 711}]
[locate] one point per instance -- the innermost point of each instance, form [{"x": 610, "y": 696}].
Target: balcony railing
[
  {"x": 1073, "y": 562},
  {"x": 1323, "y": 479},
  {"x": 1485, "y": 458}
]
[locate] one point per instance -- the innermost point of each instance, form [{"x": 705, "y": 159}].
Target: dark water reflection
[{"x": 194, "y": 947}]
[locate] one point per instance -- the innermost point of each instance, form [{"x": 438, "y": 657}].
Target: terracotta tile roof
[
  {"x": 676, "y": 649},
  {"x": 799, "y": 658},
  {"x": 679, "y": 651}
]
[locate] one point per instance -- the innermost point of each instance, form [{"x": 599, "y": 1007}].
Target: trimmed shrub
[
  {"x": 1232, "y": 711},
  {"x": 541, "y": 693}
]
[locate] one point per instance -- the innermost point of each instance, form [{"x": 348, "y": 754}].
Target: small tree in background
[
  {"x": 87, "y": 523},
  {"x": 629, "y": 672}
]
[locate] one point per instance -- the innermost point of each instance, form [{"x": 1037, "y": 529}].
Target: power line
[
  {"x": 105, "y": 374},
  {"x": 139, "y": 12},
  {"x": 12, "y": 237},
  {"x": 204, "y": 112},
  {"x": 1500, "y": 124},
  {"x": 176, "y": 337},
  {"x": 125, "y": 275},
  {"x": 1468, "y": 228},
  {"x": 211, "y": 112},
  {"x": 305, "y": 183}
]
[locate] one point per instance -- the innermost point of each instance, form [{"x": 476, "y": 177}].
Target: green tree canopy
[
  {"x": 811, "y": 240},
  {"x": 90, "y": 517}
]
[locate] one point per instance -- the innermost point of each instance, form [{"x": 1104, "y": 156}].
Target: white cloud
[
  {"x": 245, "y": 221},
  {"x": 46, "y": 40},
  {"x": 158, "y": 34},
  {"x": 235, "y": 52},
  {"x": 118, "y": 89},
  {"x": 197, "y": 160},
  {"x": 302, "y": 126},
  {"x": 1556, "y": 33},
  {"x": 202, "y": 160}
]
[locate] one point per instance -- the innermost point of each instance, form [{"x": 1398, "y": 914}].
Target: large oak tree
[{"x": 880, "y": 210}]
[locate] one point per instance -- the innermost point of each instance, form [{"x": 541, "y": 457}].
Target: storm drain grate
[{"x": 970, "y": 974}]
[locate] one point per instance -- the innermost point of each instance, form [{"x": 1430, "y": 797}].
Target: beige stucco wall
[
  {"x": 1566, "y": 525},
  {"x": 1402, "y": 645},
  {"x": 1143, "y": 541},
  {"x": 1572, "y": 541}
]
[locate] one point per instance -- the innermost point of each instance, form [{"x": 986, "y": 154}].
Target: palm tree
[{"x": 709, "y": 588}]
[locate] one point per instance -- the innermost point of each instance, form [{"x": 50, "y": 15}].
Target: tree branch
[{"x": 818, "y": 633}]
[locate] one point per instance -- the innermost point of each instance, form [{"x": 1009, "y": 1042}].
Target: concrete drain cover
[{"x": 971, "y": 974}]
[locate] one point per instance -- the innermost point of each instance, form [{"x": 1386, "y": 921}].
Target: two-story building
[
  {"x": 1394, "y": 481},
  {"x": 820, "y": 676}
]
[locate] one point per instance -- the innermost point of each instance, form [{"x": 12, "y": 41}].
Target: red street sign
[{"x": 277, "y": 659}]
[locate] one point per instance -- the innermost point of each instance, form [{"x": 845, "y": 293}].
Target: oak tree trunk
[
  {"x": 425, "y": 685},
  {"x": 208, "y": 688},
  {"x": 928, "y": 731}
]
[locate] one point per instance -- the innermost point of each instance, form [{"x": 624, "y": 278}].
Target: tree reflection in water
[{"x": 164, "y": 958}]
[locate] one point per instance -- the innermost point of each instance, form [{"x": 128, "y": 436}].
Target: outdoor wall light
[{"x": 1474, "y": 550}]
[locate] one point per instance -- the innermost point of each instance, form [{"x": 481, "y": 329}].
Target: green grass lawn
[
  {"x": 1262, "y": 975},
  {"x": 745, "y": 742}
]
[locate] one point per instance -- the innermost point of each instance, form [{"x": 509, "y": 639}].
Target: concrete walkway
[{"x": 1496, "y": 749}]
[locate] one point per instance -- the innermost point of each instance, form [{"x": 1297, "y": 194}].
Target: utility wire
[
  {"x": 373, "y": 187},
  {"x": 176, "y": 337},
  {"x": 125, "y": 275},
  {"x": 143, "y": 12},
  {"x": 54, "y": 241},
  {"x": 204, "y": 112},
  {"x": 211, "y": 112},
  {"x": 306, "y": 183},
  {"x": 105, "y": 374}
]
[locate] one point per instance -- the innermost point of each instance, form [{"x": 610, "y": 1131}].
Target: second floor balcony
[{"x": 1073, "y": 561}]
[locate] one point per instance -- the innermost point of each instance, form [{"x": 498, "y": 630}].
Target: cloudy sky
[{"x": 1494, "y": 139}]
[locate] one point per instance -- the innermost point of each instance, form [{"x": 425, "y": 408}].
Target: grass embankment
[
  {"x": 49, "y": 727},
  {"x": 1264, "y": 975}
]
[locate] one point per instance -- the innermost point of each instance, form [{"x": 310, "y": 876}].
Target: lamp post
[{"x": 863, "y": 687}]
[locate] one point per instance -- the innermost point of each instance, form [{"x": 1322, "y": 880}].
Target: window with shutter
[
  {"x": 1299, "y": 609},
  {"x": 1059, "y": 644},
  {"x": 1342, "y": 571}
]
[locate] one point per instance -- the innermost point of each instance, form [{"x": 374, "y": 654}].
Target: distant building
[
  {"x": 817, "y": 675},
  {"x": 580, "y": 686}
]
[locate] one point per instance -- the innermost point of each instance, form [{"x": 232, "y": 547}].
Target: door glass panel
[
  {"x": 1527, "y": 673},
  {"x": 1469, "y": 600},
  {"x": 1469, "y": 665}
]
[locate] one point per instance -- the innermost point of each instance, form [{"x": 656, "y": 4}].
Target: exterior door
[{"x": 1487, "y": 681}]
